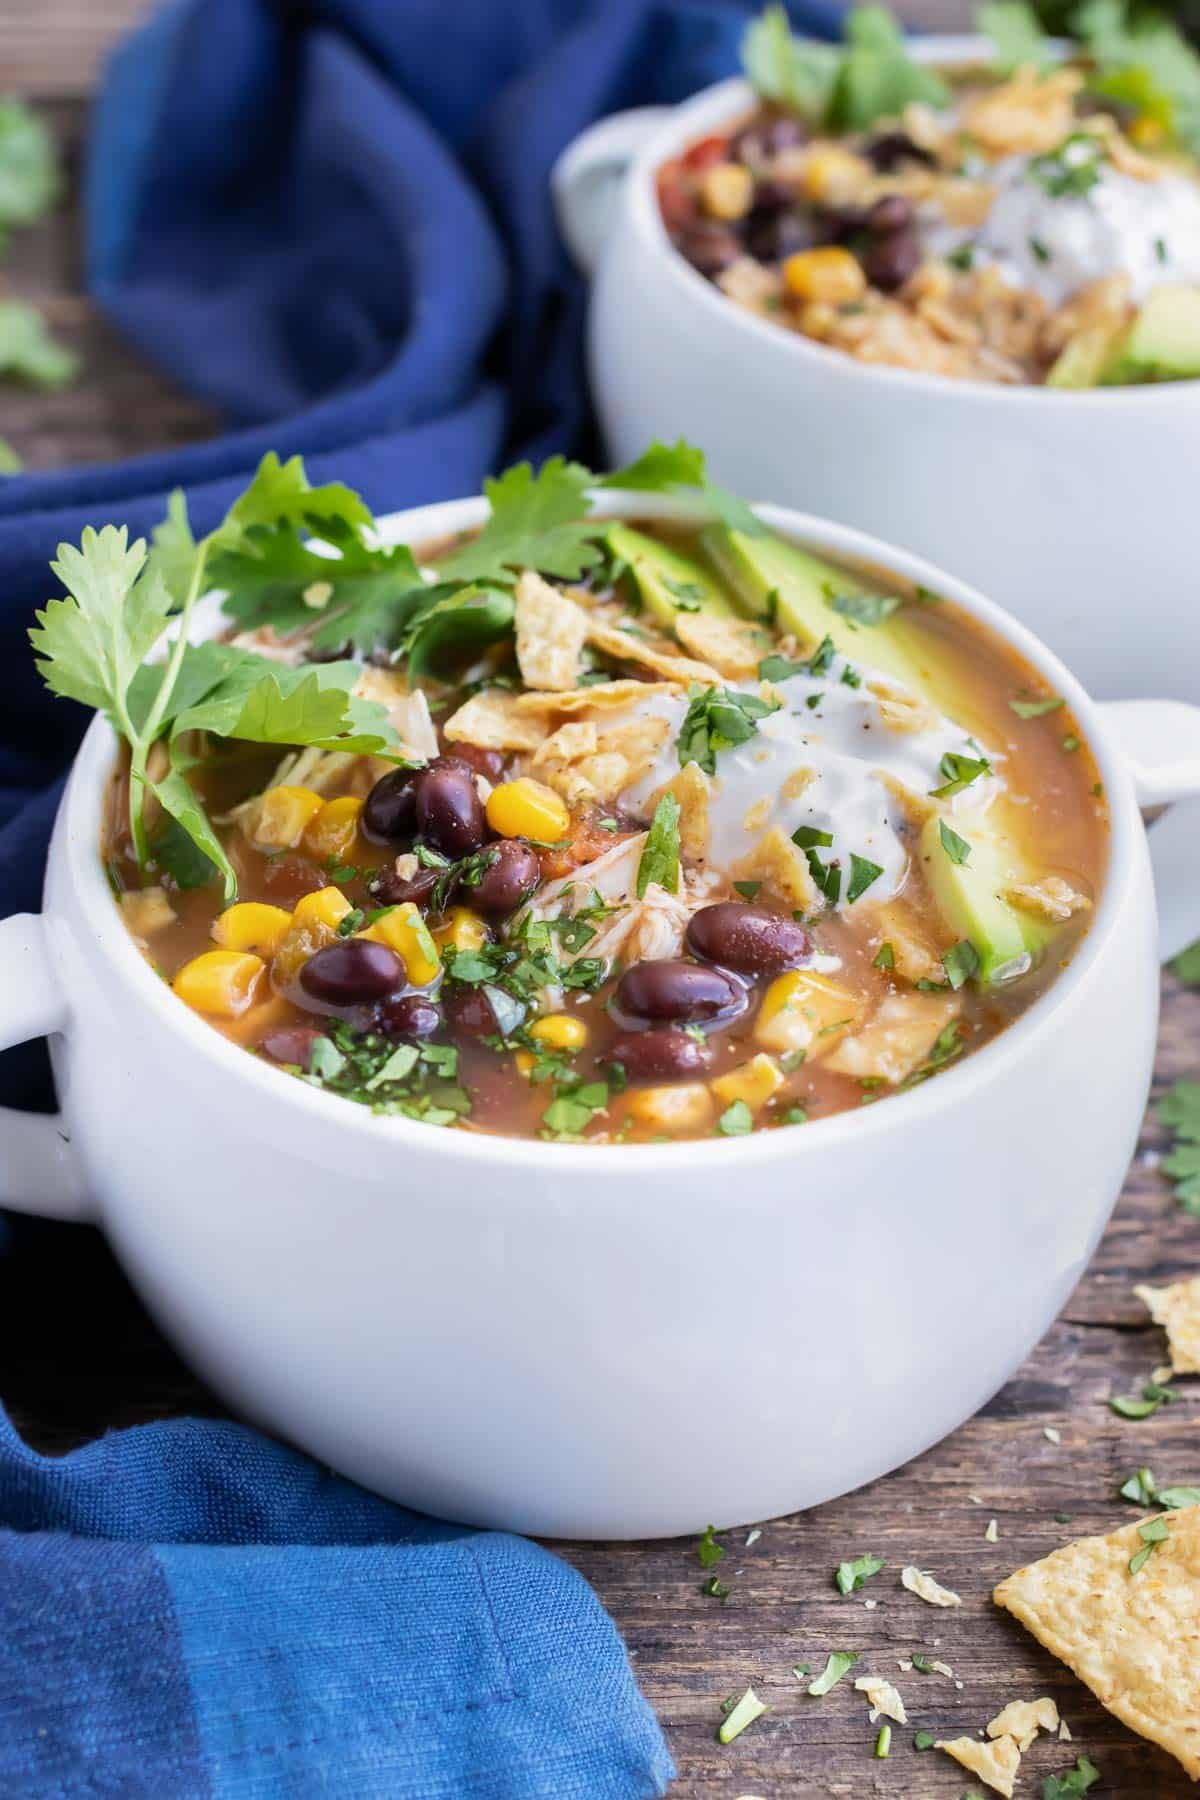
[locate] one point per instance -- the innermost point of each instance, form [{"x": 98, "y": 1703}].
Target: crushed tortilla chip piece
[
  {"x": 1134, "y": 1639},
  {"x": 1051, "y": 898},
  {"x": 1177, "y": 1309},
  {"x": 602, "y": 696},
  {"x": 901, "y": 709},
  {"x": 624, "y": 646},
  {"x": 638, "y": 740},
  {"x": 996, "y": 1763},
  {"x": 733, "y": 647},
  {"x": 551, "y": 632},
  {"x": 408, "y": 712},
  {"x": 691, "y": 788},
  {"x": 494, "y": 720},
  {"x": 1023, "y": 1719},
  {"x": 885, "y": 1701},
  {"x": 783, "y": 870},
  {"x": 926, "y": 1588},
  {"x": 571, "y": 741},
  {"x": 895, "y": 1040}
]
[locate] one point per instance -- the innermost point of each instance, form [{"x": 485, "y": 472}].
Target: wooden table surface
[{"x": 690, "y": 1651}]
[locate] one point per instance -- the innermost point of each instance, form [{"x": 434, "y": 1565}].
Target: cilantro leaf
[
  {"x": 850, "y": 1576},
  {"x": 91, "y": 645},
  {"x": 708, "y": 1551},
  {"x": 672, "y": 468},
  {"x": 1036, "y": 709},
  {"x": 536, "y": 522},
  {"x": 29, "y": 177},
  {"x": 362, "y": 597},
  {"x": 275, "y": 704},
  {"x": 1153, "y": 1533},
  {"x": 280, "y": 492},
  {"x": 837, "y": 1664},
  {"x": 717, "y": 719},
  {"x": 659, "y": 861},
  {"x": 1186, "y": 966},
  {"x": 455, "y": 624},
  {"x": 863, "y": 874},
  {"x": 956, "y": 848},
  {"x": 864, "y": 609},
  {"x": 876, "y": 78},
  {"x": 790, "y": 71},
  {"x": 960, "y": 772},
  {"x": 27, "y": 350},
  {"x": 1072, "y": 1782},
  {"x": 1016, "y": 34},
  {"x": 961, "y": 962},
  {"x": 176, "y": 795},
  {"x": 736, "y": 1120},
  {"x": 1179, "y": 1111}
]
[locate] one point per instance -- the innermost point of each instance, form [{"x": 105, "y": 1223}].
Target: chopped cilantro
[
  {"x": 864, "y": 609},
  {"x": 1153, "y": 1533},
  {"x": 863, "y": 874},
  {"x": 1153, "y": 1395},
  {"x": 962, "y": 257},
  {"x": 1072, "y": 1782},
  {"x": 960, "y": 772},
  {"x": 1142, "y": 1490},
  {"x": 1179, "y": 1111},
  {"x": 747, "y": 889},
  {"x": 837, "y": 1664},
  {"x": 961, "y": 962},
  {"x": 1034, "y": 709},
  {"x": 850, "y": 1576},
  {"x": 924, "y": 1740},
  {"x": 708, "y": 1551},
  {"x": 1072, "y": 170},
  {"x": 1040, "y": 250},
  {"x": 885, "y": 957},
  {"x": 716, "y": 1588},
  {"x": 956, "y": 848},
  {"x": 325, "y": 1060},
  {"x": 1070, "y": 743},
  {"x": 659, "y": 860},
  {"x": 1186, "y": 968},
  {"x": 717, "y": 719},
  {"x": 1016, "y": 34}
]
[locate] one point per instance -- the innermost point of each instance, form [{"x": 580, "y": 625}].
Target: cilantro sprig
[
  {"x": 1179, "y": 1110},
  {"x": 847, "y": 88},
  {"x": 717, "y": 719}
]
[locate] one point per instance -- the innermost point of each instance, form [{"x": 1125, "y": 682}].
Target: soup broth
[{"x": 717, "y": 838}]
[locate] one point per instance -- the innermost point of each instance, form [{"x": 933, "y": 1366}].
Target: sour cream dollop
[
  {"x": 828, "y": 759},
  {"x": 1056, "y": 244}
]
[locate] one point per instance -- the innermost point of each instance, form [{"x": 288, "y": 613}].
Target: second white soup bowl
[
  {"x": 1075, "y": 510},
  {"x": 608, "y": 1341}
]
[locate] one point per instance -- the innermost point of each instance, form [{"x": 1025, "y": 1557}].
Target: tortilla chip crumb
[
  {"x": 1064, "y": 1732},
  {"x": 1177, "y": 1309},
  {"x": 733, "y": 647},
  {"x": 926, "y": 1588},
  {"x": 1052, "y": 1434},
  {"x": 995, "y": 1763},
  {"x": 1023, "y": 1719},
  {"x": 884, "y": 1699},
  {"x": 992, "y": 1533},
  {"x": 1134, "y": 1639}
]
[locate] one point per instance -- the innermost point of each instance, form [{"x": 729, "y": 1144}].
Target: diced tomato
[
  {"x": 587, "y": 840},
  {"x": 675, "y": 200},
  {"x": 708, "y": 151}
]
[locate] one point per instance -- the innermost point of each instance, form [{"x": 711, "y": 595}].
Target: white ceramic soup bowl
[
  {"x": 1075, "y": 510},
  {"x": 617, "y": 1341}
]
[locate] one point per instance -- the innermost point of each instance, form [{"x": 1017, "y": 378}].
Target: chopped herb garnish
[
  {"x": 1179, "y": 1111},
  {"x": 956, "y": 848},
  {"x": 1035, "y": 709},
  {"x": 1070, "y": 744},
  {"x": 1153, "y": 1396},
  {"x": 961, "y": 962},
  {"x": 659, "y": 860},
  {"x": 1160, "y": 249},
  {"x": 962, "y": 257},
  {"x": 960, "y": 772},
  {"x": 1153, "y": 1533},
  {"x": 1041, "y": 251},
  {"x": 863, "y": 874},
  {"x": 717, "y": 719},
  {"x": 353, "y": 920},
  {"x": 885, "y": 957},
  {"x": 716, "y": 1589},
  {"x": 708, "y": 1551},
  {"x": 864, "y": 609},
  {"x": 1072, "y": 170},
  {"x": 325, "y": 1060},
  {"x": 924, "y": 1740},
  {"x": 736, "y": 1120},
  {"x": 1072, "y": 1782},
  {"x": 747, "y": 889},
  {"x": 742, "y": 1713},
  {"x": 836, "y": 1665},
  {"x": 921, "y": 1663},
  {"x": 1142, "y": 1490},
  {"x": 850, "y": 1576},
  {"x": 1186, "y": 968},
  {"x": 883, "y": 1743}
]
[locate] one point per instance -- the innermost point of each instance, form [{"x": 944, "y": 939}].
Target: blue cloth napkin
[{"x": 331, "y": 221}]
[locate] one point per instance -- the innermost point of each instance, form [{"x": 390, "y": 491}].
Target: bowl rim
[
  {"x": 715, "y": 105},
  {"x": 75, "y": 855}
]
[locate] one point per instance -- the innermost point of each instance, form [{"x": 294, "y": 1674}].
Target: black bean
[
  {"x": 671, "y": 992},
  {"x": 771, "y": 236},
  {"x": 469, "y": 1011},
  {"x": 747, "y": 938},
  {"x": 488, "y": 763},
  {"x": 408, "y": 1017},
  {"x": 708, "y": 246},
  {"x": 353, "y": 971},
  {"x": 892, "y": 148},
  {"x": 449, "y": 810},
  {"x": 292, "y": 1044},
  {"x": 759, "y": 142},
  {"x": 892, "y": 260},
  {"x": 389, "y": 814},
  {"x": 510, "y": 877},
  {"x": 392, "y": 889},
  {"x": 894, "y": 212},
  {"x": 662, "y": 1055}
]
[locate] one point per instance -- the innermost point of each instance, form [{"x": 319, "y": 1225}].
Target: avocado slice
[
  {"x": 770, "y": 575},
  {"x": 667, "y": 581},
  {"x": 1083, "y": 362},
  {"x": 1162, "y": 344},
  {"x": 969, "y": 898}
]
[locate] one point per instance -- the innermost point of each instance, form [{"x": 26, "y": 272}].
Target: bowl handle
[
  {"x": 1160, "y": 740},
  {"x": 586, "y": 179},
  {"x": 38, "y": 1169}
]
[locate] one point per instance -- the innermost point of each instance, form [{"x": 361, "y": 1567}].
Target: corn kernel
[
  {"x": 560, "y": 1031},
  {"x": 220, "y": 982},
  {"x": 685, "y": 1106},
  {"x": 403, "y": 930},
  {"x": 464, "y": 929},
  {"x": 754, "y": 1082},
  {"x": 804, "y": 1011},
  {"x": 831, "y": 275},
  {"x": 833, "y": 175},
  {"x": 332, "y": 831},
  {"x": 726, "y": 191},
  {"x": 525, "y": 1061},
  {"x": 252, "y": 925},
  {"x": 282, "y": 816},
  {"x": 328, "y": 907},
  {"x": 524, "y": 808}
]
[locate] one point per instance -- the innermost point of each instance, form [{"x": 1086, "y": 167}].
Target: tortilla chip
[
  {"x": 1177, "y": 1309},
  {"x": 733, "y": 647},
  {"x": 895, "y": 1040},
  {"x": 1023, "y": 1719},
  {"x": 495, "y": 720},
  {"x": 606, "y": 773},
  {"x": 1134, "y": 1639},
  {"x": 639, "y": 741},
  {"x": 603, "y": 696},
  {"x": 624, "y": 646},
  {"x": 901, "y": 709},
  {"x": 926, "y": 1588},
  {"x": 571, "y": 741},
  {"x": 996, "y": 1763},
  {"x": 896, "y": 923},
  {"x": 883, "y": 1697},
  {"x": 690, "y": 787},
  {"x": 551, "y": 632},
  {"x": 782, "y": 868}
]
